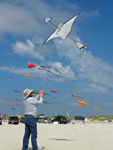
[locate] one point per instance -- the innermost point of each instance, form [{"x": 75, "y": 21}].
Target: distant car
[
  {"x": 44, "y": 120},
  {"x": 47, "y": 120},
  {"x": 37, "y": 119},
  {"x": 60, "y": 119},
  {"x": 41, "y": 120},
  {"x": 109, "y": 120},
  {"x": 13, "y": 120},
  {"x": 0, "y": 121},
  {"x": 22, "y": 120}
]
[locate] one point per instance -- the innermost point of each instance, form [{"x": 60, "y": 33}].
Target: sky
[{"x": 88, "y": 75}]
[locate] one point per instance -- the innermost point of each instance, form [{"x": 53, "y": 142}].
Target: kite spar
[{"x": 63, "y": 30}]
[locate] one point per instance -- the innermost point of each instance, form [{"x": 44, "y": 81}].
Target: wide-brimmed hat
[{"x": 27, "y": 92}]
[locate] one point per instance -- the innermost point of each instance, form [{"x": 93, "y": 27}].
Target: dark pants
[{"x": 30, "y": 128}]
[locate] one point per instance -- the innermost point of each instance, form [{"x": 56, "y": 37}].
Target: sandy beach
[{"x": 78, "y": 136}]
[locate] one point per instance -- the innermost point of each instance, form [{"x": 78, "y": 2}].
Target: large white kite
[{"x": 63, "y": 30}]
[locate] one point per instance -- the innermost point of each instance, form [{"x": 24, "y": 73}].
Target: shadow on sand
[
  {"x": 40, "y": 148},
  {"x": 60, "y": 139}
]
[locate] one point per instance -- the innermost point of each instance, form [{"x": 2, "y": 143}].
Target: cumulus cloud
[
  {"x": 90, "y": 69},
  {"x": 67, "y": 72},
  {"x": 30, "y": 49}
]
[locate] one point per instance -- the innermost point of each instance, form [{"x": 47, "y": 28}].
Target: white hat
[{"x": 27, "y": 92}]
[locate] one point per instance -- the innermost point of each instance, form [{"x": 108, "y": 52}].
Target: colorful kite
[
  {"x": 48, "y": 71},
  {"x": 11, "y": 77},
  {"x": 37, "y": 77},
  {"x": 82, "y": 102},
  {"x": 54, "y": 91},
  {"x": 72, "y": 95},
  {"x": 51, "y": 68},
  {"x": 17, "y": 91},
  {"x": 18, "y": 99},
  {"x": 30, "y": 65},
  {"x": 63, "y": 30},
  {"x": 79, "y": 97},
  {"x": 19, "y": 104},
  {"x": 95, "y": 107},
  {"x": 36, "y": 92}
]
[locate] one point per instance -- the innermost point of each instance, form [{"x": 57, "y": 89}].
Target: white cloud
[
  {"x": 67, "y": 72},
  {"x": 90, "y": 69},
  {"x": 27, "y": 49}
]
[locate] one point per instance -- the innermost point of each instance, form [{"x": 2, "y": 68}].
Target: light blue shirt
[{"x": 31, "y": 105}]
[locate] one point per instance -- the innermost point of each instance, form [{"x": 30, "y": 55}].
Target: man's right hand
[{"x": 41, "y": 93}]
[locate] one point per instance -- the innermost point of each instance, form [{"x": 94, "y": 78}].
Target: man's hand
[{"x": 41, "y": 93}]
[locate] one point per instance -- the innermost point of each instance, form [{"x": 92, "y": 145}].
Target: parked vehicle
[
  {"x": 109, "y": 120},
  {"x": 44, "y": 120},
  {"x": 0, "y": 121},
  {"x": 60, "y": 119},
  {"x": 47, "y": 120},
  {"x": 41, "y": 120},
  {"x": 37, "y": 119},
  {"x": 22, "y": 120},
  {"x": 13, "y": 120}
]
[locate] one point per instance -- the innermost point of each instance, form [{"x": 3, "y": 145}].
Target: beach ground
[{"x": 77, "y": 136}]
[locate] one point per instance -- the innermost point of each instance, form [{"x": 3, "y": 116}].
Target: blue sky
[{"x": 22, "y": 34}]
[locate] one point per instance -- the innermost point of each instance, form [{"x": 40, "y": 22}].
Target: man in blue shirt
[{"x": 30, "y": 104}]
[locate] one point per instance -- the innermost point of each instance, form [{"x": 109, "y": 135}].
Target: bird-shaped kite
[{"x": 63, "y": 30}]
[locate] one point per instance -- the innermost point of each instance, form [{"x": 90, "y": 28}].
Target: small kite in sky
[
  {"x": 95, "y": 107},
  {"x": 54, "y": 91},
  {"x": 37, "y": 77},
  {"x": 51, "y": 68},
  {"x": 79, "y": 97},
  {"x": 11, "y": 77},
  {"x": 72, "y": 95},
  {"x": 19, "y": 104},
  {"x": 30, "y": 65},
  {"x": 36, "y": 92},
  {"x": 82, "y": 102},
  {"x": 17, "y": 91},
  {"x": 48, "y": 71},
  {"x": 63, "y": 30},
  {"x": 18, "y": 99},
  {"x": 13, "y": 108}
]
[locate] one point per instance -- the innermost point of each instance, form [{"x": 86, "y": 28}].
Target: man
[{"x": 30, "y": 104}]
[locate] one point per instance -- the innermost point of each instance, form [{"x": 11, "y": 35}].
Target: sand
[{"x": 78, "y": 136}]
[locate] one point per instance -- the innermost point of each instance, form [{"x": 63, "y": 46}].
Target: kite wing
[
  {"x": 67, "y": 27},
  {"x": 80, "y": 46},
  {"x": 54, "y": 35},
  {"x": 47, "y": 20}
]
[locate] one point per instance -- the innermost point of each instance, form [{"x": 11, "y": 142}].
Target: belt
[{"x": 28, "y": 115}]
